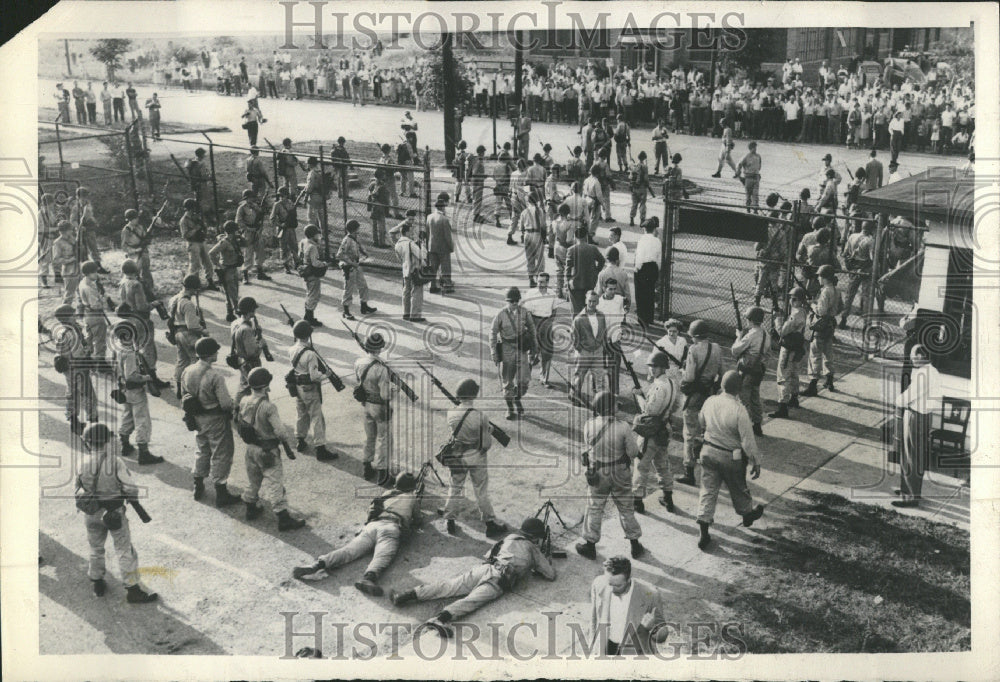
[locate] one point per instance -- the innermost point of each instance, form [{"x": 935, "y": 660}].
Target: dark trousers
[
  {"x": 118, "y": 105},
  {"x": 578, "y": 297},
  {"x": 252, "y": 132},
  {"x": 92, "y": 112},
  {"x": 645, "y": 292}
]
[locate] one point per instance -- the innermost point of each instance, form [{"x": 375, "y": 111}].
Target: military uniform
[
  {"x": 227, "y": 255},
  {"x": 579, "y": 216},
  {"x": 193, "y": 228},
  {"x": 264, "y": 470},
  {"x": 189, "y": 328},
  {"x": 827, "y": 304},
  {"x": 502, "y": 570},
  {"x": 639, "y": 186},
  {"x": 248, "y": 217},
  {"x": 516, "y": 333},
  {"x": 790, "y": 360},
  {"x": 315, "y": 197},
  {"x": 257, "y": 175},
  {"x": 473, "y": 441},
  {"x": 197, "y": 177},
  {"x": 135, "y": 410},
  {"x": 858, "y": 257},
  {"x": 134, "y": 239},
  {"x": 751, "y": 347},
  {"x": 214, "y": 436},
  {"x": 81, "y": 216},
  {"x": 663, "y": 399},
  {"x": 350, "y": 254},
  {"x": 770, "y": 256},
  {"x": 729, "y": 447},
  {"x": 706, "y": 356},
  {"x": 309, "y": 256},
  {"x": 90, "y": 303},
  {"x": 562, "y": 236},
  {"x": 309, "y": 377},
  {"x": 246, "y": 347},
  {"x": 378, "y": 436},
  {"x": 612, "y": 449},
  {"x": 81, "y": 399},
  {"x": 284, "y": 219}
]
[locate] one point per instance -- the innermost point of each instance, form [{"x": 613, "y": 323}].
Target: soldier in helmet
[
  {"x": 823, "y": 322},
  {"x": 136, "y": 305},
  {"x": 313, "y": 269},
  {"x": 701, "y": 371},
  {"x": 793, "y": 347},
  {"x": 750, "y": 350},
  {"x": 81, "y": 215},
  {"x": 91, "y": 301},
  {"x": 612, "y": 447},
  {"x": 389, "y": 517},
  {"x": 247, "y": 342},
  {"x": 509, "y": 562},
  {"x": 211, "y": 419},
  {"x": 373, "y": 374},
  {"x": 196, "y": 174},
  {"x": 350, "y": 255},
  {"x": 104, "y": 476},
  {"x": 187, "y": 325},
  {"x": 66, "y": 260},
  {"x": 309, "y": 373},
  {"x": 513, "y": 340},
  {"x": 250, "y": 218},
  {"x": 257, "y": 173},
  {"x": 72, "y": 355},
  {"x": 663, "y": 401},
  {"x": 315, "y": 191},
  {"x": 285, "y": 220},
  {"x": 263, "y": 457},
  {"x": 471, "y": 431},
  {"x": 135, "y": 242},
  {"x": 194, "y": 231},
  {"x": 228, "y": 256},
  {"x": 133, "y": 378}
]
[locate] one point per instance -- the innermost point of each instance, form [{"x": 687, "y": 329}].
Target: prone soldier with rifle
[
  {"x": 391, "y": 516},
  {"x": 260, "y": 427},
  {"x": 103, "y": 487},
  {"x": 227, "y": 255},
  {"x": 304, "y": 382}
]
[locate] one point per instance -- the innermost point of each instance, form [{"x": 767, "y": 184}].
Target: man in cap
[
  {"x": 72, "y": 360},
  {"x": 91, "y": 300},
  {"x": 513, "y": 348},
  {"x": 250, "y": 218},
  {"x": 504, "y": 567},
  {"x": 285, "y": 220},
  {"x": 315, "y": 192},
  {"x": 858, "y": 257},
  {"x": 135, "y": 242},
  {"x": 823, "y": 323},
  {"x": 701, "y": 372},
  {"x": 729, "y": 448},
  {"x": 350, "y": 254},
  {"x": 611, "y": 447},
  {"x": 921, "y": 399},
  {"x": 288, "y": 165},
  {"x": 373, "y": 374},
  {"x": 791, "y": 332},
  {"x": 247, "y": 342},
  {"x": 313, "y": 269},
  {"x": 136, "y": 305},
  {"x": 309, "y": 372},
  {"x": 263, "y": 456},
  {"x": 212, "y": 421},
  {"x": 193, "y": 230},
  {"x": 750, "y": 350},
  {"x": 187, "y": 325},
  {"x": 470, "y": 430},
  {"x": 257, "y": 173},
  {"x": 389, "y": 517},
  {"x": 541, "y": 304},
  {"x": 440, "y": 245},
  {"x": 413, "y": 256},
  {"x": 772, "y": 253},
  {"x": 197, "y": 176},
  {"x": 748, "y": 171},
  {"x": 133, "y": 377},
  {"x": 104, "y": 476},
  {"x": 640, "y": 189},
  {"x": 663, "y": 402},
  {"x": 228, "y": 255},
  {"x": 81, "y": 215}
]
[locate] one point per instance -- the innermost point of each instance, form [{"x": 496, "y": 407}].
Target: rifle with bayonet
[
  {"x": 502, "y": 436},
  {"x": 670, "y": 356},
  {"x": 335, "y": 380},
  {"x": 393, "y": 376},
  {"x": 736, "y": 309},
  {"x": 575, "y": 397}
]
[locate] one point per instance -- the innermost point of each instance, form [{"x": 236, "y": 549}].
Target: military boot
[
  {"x": 99, "y": 586},
  {"x": 402, "y": 598},
  {"x": 369, "y": 584},
  {"x": 705, "y": 538},
  {"x": 145, "y": 457},
  {"x": 510, "y": 409},
  {"x": 300, "y": 445},
  {"x": 324, "y": 455},
  {"x": 668, "y": 500},
  {"x": 199, "y": 488},
  {"x": 753, "y": 515},
  {"x": 287, "y": 522},
  {"x": 346, "y": 314},
  {"x": 637, "y": 549},
  {"x": 137, "y": 595},
  {"x": 829, "y": 383},
  {"x": 810, "y": 390},
  {"x": 519, "y": 406},
  {"x": 224, "y": 498},
  {"x": 781, "y": 412},
  {"x": 253, "y": 511},
  {"x": 367, "y": 309},
  {"x": 688, "y": 477},
  {"x": 127, "y": 450},
  {"x": 586, "y": 549}
]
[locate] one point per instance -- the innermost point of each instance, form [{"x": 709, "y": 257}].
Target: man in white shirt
[
  {"x": 919, "y": 402},
  {"x": 541, "y": 304},
  {"x": 613, "y": 306},
  {"x": 647, "y": 271}
]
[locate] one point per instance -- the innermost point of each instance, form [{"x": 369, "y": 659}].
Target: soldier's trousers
[
  {"x": 89, "y": 239},
  {"x": 474, "y": 467},
  {"x": 768, "y": 281},
  {"x": 135, "y": 419},
  {"x": 378, "y": 436},
  {"x": 214, "y": 439},
  {"x": 265, "y": 478},
  {"x": 381, "y": 537},
  {"x": 750, "y": 397},
  {"x": 560, "y": 253},
  {"x": 534, "y": 253},
  {"x": 718, "y": 467},
  {"x": 247, "y": 366},
  {"x": 413, "y": 298},
  {"x": 694, "y": 435},
  {"x": 309, "y": 414},
  {"x": 614, "y": 482},
  {"x": 752, "y": 187},
  {"x": 653, "y": 464},
  {"x": 198, "y": 259},
  {"x": 788, "y": 376},
  {"x": 638, "y": 203},
  {"x": 70, "y": 284},
  {"x": 515, "y": 371},
  {"x": 81, "y": 399},
  {"x": 96, "y": 329},
  {"x": 289, "y": 247},
  {"x": 97, "y": 537},
  {"x": 477, "y": 198},
  {"x": 312, "y": 292},
  {"x": 820, "y": 357},
  {"x": 316, "y": 204},
  {"x": 253, "y": 252},
  {"x": 185, "y": 353},
  {"x": 478, "y": 586},
  {"x": 231, "y": 283},
  {"x": 141, "y": 259},
  {"x": 355, "y": 283},
  {"x": 856, "y": 282}
]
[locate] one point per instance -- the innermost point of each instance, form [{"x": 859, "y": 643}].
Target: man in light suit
[
  {"x": 589, "y": 334},
  {"x": 626, "y": 614},
  {"x": 440, "y": 246}
]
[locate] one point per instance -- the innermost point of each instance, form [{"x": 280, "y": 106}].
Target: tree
[
  {"x": 435, "y": 84},
  {"x": 185, "y": 55},
  {"x": 109, "y": 51},
  {"x": 760, "y": 46}
]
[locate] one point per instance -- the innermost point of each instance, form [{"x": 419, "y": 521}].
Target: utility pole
[
  {"x": 449, "y": 98},
  {"x": 69, "y": 67},
  {"x": 518, "y": 80},
  {"x": 711, "y": 76}
]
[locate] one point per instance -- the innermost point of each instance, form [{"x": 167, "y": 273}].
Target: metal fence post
[
  {"x": 666, "y": 256},
  {"x": 427, "y": 182},
  {"x": 131, "y": 169},
  {"x": 215, "y": 183},
  {"x": 145, "y": 155},
  {"x": 323, "y": 214},
  {"x": 62, "y": 172},
  {"x": 790, "y": 255},
  {"x": 877, "y": 263}
]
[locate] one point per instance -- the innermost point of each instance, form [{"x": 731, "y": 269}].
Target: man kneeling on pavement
[{"x": 505, "y": 565}]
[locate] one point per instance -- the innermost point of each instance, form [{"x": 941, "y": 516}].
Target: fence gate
[{"x": 709, "y": 253}]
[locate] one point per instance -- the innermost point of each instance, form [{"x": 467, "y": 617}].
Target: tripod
[
  {"x": 548, "y": 507},
  {"x": 428, "y": 465}
]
